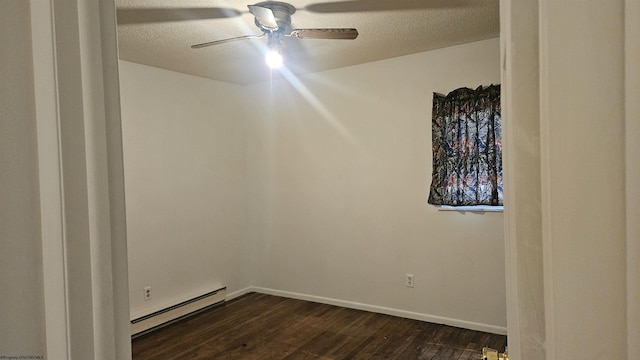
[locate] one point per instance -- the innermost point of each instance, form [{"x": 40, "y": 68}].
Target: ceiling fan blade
[
  {"x": 346, "y": 34},
  {"x": 156, "y": 15},
  {"x": 378, "y": 5},
  {"x": 264, "y": 16},
  {"x": 218, "y": 42}
]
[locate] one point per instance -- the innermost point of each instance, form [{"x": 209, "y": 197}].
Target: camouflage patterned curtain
[{"x": 467, "y": 148}]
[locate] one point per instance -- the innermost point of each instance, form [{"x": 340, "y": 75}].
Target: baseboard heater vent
[{"x": 147, "y": 323}]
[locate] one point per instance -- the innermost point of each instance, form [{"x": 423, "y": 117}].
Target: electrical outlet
[
  {"x": 409, "y": 281},
  {"x": 147, "y": 293}
]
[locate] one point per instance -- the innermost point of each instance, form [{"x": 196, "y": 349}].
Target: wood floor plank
[{"x": 259, "y": 326}]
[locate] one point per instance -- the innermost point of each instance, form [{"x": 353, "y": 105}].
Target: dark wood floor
[{"x": 258, "y": 326}]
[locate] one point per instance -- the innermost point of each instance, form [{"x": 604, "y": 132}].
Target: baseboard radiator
[{"x": 147, "y": 323}]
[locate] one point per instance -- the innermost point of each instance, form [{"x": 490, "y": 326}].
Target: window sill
[{"x": 478, "y": 208}]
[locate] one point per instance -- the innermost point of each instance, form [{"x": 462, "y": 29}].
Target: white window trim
[{"x": 471, "y": 208}]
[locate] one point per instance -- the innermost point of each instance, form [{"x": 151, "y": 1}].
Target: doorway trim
[{"x": 81, "y": 179}]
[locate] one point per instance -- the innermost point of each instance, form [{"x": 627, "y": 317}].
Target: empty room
[
  {"x": 305, "y": 184},
  {"x": 155, "y": 166}
]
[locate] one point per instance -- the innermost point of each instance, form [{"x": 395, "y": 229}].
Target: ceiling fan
[{"x": 273, "y": 18}]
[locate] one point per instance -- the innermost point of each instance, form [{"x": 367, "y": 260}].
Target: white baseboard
[
  {"x": 238, "y": 293},
  {"x": 381, "y": 310}
]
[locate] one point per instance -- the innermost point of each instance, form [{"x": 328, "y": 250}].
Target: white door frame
[
  {"x": 534, "y": 258},
  {"x": 81, "y": 179},
  {"x": 632, "y": 143}
]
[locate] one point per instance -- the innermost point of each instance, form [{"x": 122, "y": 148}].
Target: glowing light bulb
[{"x": 274, "y": 59}]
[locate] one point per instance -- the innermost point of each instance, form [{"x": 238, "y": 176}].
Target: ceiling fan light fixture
[
  {"x": 274, "y": 59},
  {"x": 274, "y": 56}
]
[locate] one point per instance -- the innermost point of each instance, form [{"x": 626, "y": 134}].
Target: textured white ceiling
[{"x": 160, "y": 32}]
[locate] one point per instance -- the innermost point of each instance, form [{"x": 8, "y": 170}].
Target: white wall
[
  {"x": 339, "y": 165},
  {"x": 337, "y": 175},
  {"x": 21, "y": 283},
  {"x": 185, "y": 186}
]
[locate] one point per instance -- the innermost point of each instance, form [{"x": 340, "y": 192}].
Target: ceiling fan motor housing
[{"x": 281, "y": 11}]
